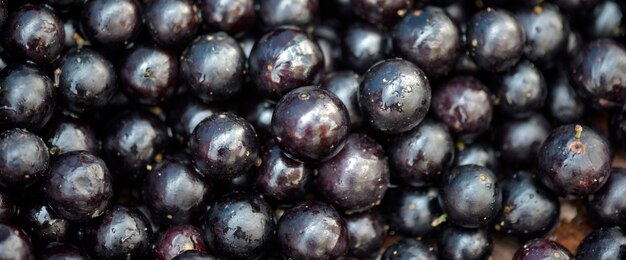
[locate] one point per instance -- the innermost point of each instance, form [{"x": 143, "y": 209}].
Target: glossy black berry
[
  {"x": 529, "y": 210},
  {"x": 603, "y": 244},
  {"x": 34, "y": 33},
  {"x": 193, "y": 255},
  {"x": 464, "y": 105},
  {"x": 310, "y": 124},
  {"x": 394, "y": 96},
  {"x": 574, "y": 161},
  {"x": 428, "y": 38},
  {"x": 26, "y": 97},
  {"x": 367, "y": 232},
  {"x": 519, "y": 140},
  {"x": 547, "y": 33},
  {"x": 542, "y": 249},
  {"x": 223, "y": 146},
  {"x": 176, "y": 240},
  {"x": 121, "y": 233},
  {"x": 495, "y": 39},
  {"x": 239, "y": 226},
  {"x": 279, "y": 178},
  {"x": 172, "y": 22},
  {"x": 312, "y": 230},
  {"x": 284, "y": 59},
  {"x": 381, "y": 12},
  {"x": 44, "y": 225},
  {"x": 420, "y": 156},
  {"x": 214, "y": 67},
  {"x": 470, "y": 196},
  {"x": 175, "y": 193},
  {"x": 111, "y": 24},
  {"x": 411, "y": 211},
  {"x": 345, "y": 85},
  {"x": 78, "y": 187},
  {"x": 363, "y": 45},
  {"x": 231, "y": 16},
  {"x": 86, "y": 80},
  {"x": 67, "y": 134},
  {"x": 148, "y": 74},
  {"x": 600, "y": 73},
  {"x": 562, "y": 103},
  {"x": 287, "y": 12},
  {"x": 459, "y": 243},
  {"x": 14, "y": 243},
  {"x": 480, "y": 153},
  {"x": 24, "y": 158},
  {"x": 355, "y": 179},
  {"x": 185, "y": 113},
  {"x": 607, "y": 20},
  {"x": 520, "y": 91},
  {"x": 607, "y": 205},
  {"x": 58, "y": 251},
  {"x": 408, "y": 248},
  {"x": 133, "y": 142}
]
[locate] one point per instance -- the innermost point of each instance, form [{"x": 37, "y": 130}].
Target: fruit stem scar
[{"x": 577, "y": 146}]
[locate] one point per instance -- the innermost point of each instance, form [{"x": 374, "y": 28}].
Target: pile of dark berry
[{"x": 311, "y": 129}]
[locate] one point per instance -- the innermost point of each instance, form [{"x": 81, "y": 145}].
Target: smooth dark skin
[
  {"x": 571, "y": 167},
  {"x": 310, "y": 124},
  {"x": 231, "y": 16},
  {"x": 312, "y": 230},
  {"x": 177, "y": 239},
  {"x": 458, "y": 243},
  {"x": 259, "y": 113},
  {"x": 464, "y": 104},
  {"x": 519, "y": 140},
  {"x": 529, "y": 210},
  {"x": 367, "y": 232},
  {"x": 148, "y": 74},
  {"x": 381, "y": 12},
  {"x": 563, "y": 104},
  {"x": 357, "y": 178},
  {"x": 608, "y": 205},
  {"x": 287, "y": 12},
  {"x": 409, "y": 248},
  {"x": 470, "y": 195},
  {"x": 520, "y": 91},
  {"x": 24, "y": 158},
  {"x": 547, "y": 32},
  {"x": 363, "y": 45},
  {"x": 600, "y": 73},
  {"x": 34, "y": 33},
  {"x": 176, "y": 193},
  {"x": 428, "y": 38},
  {"x": 132, "y": 142},
  {"x": 119, "y": 234},
  {"x": 284, "y": 59},
  {"x": 345, "y": 85},
  {"x": 411, "y": 211},
  {"x": 8, "y": 207},
  {"x": 394, "y": 96},
  {"x": 185, "y": 113},
  {"x": 26, "y": 97},
  {"x": 58, "y": 251},
  {"x": 65, "y": 134},
  {"x": 194, "y": 255},
  {"x": 240, "y": 226},
  {"x": 480, "y": 153},
  {"x": 79, "y": 186},
  {"x": 603, "y": 244},
  {"x": 279, "y": 178},
  {"x": 44, "y": 225},
  {"x": 172, "y": 22},
  {"x": 495, "y": 39},
  {"x": 14, "y": 243},
  {"x": 223, "y": 146},
  {"x": 542, "y": 249},
  {"x": 87, "y": 80},
  {"x": 4, "y": 12},
  {"x": 214, "y": 67},
  {"x": 420, "y": 156},
  {"x": 111, "y": 24},
  {"x": 607, "y": 21}
]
